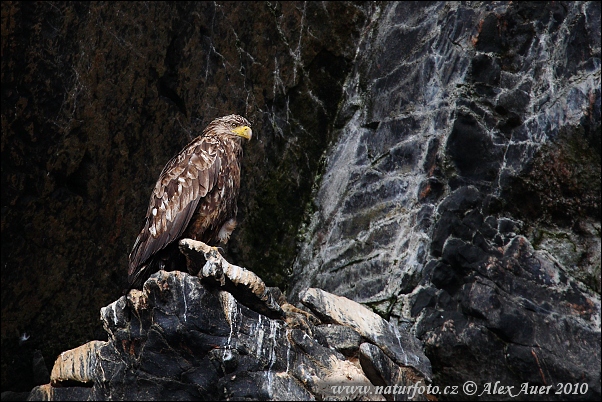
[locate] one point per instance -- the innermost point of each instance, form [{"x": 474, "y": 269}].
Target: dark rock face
[
  {"x": 179, "y": 339},
  {"x": 463, "y": 193},
  {"x": 459, "y": 196},
  {"x": 96, "y": 98}
]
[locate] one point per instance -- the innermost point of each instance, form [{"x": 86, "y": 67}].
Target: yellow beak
[{"x": 243, "y": 131}]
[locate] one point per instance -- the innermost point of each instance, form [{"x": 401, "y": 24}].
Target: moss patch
[{"x": 558, "y": 198}]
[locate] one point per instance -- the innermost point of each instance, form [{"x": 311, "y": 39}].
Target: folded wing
[{"x": 184, "y": 182}]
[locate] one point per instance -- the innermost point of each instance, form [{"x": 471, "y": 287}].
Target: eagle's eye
[{"x": 233, "y": 125}]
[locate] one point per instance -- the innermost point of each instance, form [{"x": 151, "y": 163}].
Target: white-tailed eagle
[{"x": 195, "y": 197}]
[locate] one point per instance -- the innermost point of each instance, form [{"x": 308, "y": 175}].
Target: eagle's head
[{"x": 231, "y": 125}]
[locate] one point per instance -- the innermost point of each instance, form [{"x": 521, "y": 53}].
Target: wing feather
[{"x": 184, "y": 182}]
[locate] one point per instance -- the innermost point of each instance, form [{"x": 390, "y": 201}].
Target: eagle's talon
[{"x": 214, "y": 252}]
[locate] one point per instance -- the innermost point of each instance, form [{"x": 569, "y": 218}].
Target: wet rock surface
[{"x": 462, "y": 197}]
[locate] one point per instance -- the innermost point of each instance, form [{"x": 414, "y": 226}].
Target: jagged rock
[
  {"x": 77, "y": 365},
  {"x": 181, "y": 339},
  {"x": 50, "y": 393},
  {"x": 320, "y": 369},
  {"x": 463, "y": 192},
  {"x": 341, "y": 338},
  {"x": 459, "y": 196},
  {"x": 247, "y": 287},
  {"x": 382, "y": 371},
  {"x": 40, "y": 371},
  {"x": 402, "y": 347},
  {"x": 97, "y": 97}
]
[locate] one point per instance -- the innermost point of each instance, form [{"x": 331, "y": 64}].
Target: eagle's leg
[{"x": 226, "y": 230}]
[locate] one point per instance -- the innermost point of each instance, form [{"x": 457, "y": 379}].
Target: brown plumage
[{"x": 195, "y": 197}]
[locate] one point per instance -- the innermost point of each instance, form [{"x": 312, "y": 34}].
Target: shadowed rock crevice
[
  {"x": 463, "y": 193},
  {"x": 181, "y": 338},
  {"x": 437, "y": 162},
  {"x": 96, "y": 98}
]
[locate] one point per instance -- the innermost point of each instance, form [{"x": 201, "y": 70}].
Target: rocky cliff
[
  {"x": 97, "y": 97},
  {"x": 437, "y": 162},
  {"x": 463, "y": 193},
  {"x": 182, "y": 338}
]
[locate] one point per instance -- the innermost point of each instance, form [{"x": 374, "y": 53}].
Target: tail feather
[{"x": 169, "y": 259}]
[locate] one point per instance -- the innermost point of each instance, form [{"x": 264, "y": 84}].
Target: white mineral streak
[
  {"x": 438, "y": 65},
  {"x": 272, "y": 353},
  {"x": 288, "y": 350},
  {"x": 260, "y": 334},
  {"x": 184, "y": 297},
  {"x": 230, "y": 308},
  {"x": 398, "y": 336},
  {"x": 108, "y": 313}
]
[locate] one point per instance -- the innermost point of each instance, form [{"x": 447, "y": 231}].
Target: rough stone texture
[
  {"x": 403, "y": 348},
  {"x": 460, "y": 197},
  {"x": 247, "y": 287},
  {"x": 341, "y": 338},
  {"x": 97, "y": 97},
  {"x": 463, "y": 194},
  {"x": 384, "y": 372},
  {"x": 179, "y": 339},
  {"x": 77, "y": 364}
]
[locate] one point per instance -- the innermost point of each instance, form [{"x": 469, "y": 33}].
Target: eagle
[{"x": 195, "y": 197}]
